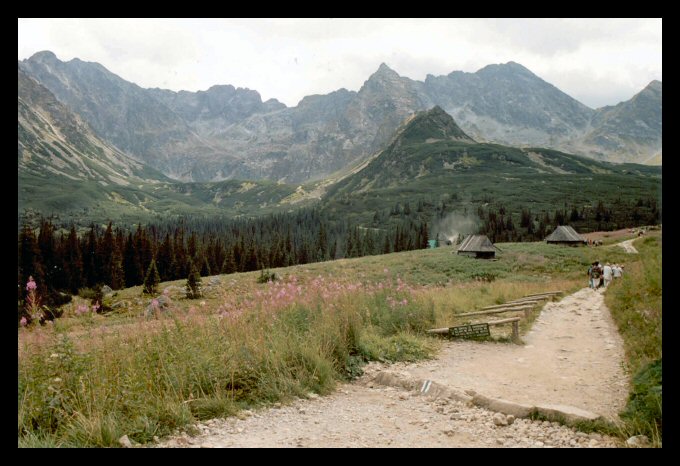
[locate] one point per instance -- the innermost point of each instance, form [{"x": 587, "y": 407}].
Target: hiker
[
  {"x": 607, "y": 274},
  {"x": 601, "y": 282},
  {"x": 595, "y": 275},
  {"x": 616, "y": 269},
  {"x": 590, "y": 275}
]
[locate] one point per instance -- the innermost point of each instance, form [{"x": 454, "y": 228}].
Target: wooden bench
[
  {"x": 526, "y": 304},
  {"x": 513, "y": 320}
]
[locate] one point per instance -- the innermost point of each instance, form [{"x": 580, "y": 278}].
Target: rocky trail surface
[{"x": 571, "y": 362}]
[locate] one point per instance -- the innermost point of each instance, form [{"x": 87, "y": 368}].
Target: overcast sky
[{"x": 596, "y": 61}]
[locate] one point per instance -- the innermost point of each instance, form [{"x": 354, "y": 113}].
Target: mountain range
[
  {"x": 93, "y": 147},
  {"x": 230, "y": 133}
]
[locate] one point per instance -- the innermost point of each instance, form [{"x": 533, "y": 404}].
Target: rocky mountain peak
[
  {"x": 44, "y": 56},
  {"x": 384, "y": 74},
  {"x": 508, "y": 69},
  {"x": 654, "y": 86},
  {"x": 433, "y": 125}
]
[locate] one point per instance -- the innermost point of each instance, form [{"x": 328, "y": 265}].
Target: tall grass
[
  {"x": 635, "y": 303},
  {"x": 144, "y": 381}
]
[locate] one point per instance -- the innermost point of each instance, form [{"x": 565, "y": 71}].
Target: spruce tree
[
  {"x": 229, "y": 264},
  {"x": 205, "y": 268},
  {"x": 152, "y": 279},
  {"x": 193, "y": 285},
  {"x": 116, "y": 271}
]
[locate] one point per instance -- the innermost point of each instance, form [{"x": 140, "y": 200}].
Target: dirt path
[
  {"x": 628, "y": 246},
  {"x": 572, "y": 356}
]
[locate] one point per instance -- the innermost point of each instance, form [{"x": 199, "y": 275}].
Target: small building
[
  {"x": 565, "y": 234},
  {"x": 477, "y": 246}
]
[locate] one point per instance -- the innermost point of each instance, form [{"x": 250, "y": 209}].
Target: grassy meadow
[
  {"x": 635, "y": 303},
  {"x": 88, "y": 379}
]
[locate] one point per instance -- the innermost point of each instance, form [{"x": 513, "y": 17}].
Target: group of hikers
[{"x": 602, "y": 276}]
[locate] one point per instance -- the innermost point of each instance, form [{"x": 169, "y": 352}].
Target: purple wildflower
[{"x": 30, "y": 286}]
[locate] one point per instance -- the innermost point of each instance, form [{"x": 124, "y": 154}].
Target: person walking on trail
[
  {"x": 595, "y": 275},
  {"x": 607, "y": 274},
  {"x": 590, "y": 275},
  {"x": 616, "y": 270},
  {"x": 600, "y": 268}
]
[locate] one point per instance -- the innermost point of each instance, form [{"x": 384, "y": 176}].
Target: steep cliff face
[{"x": 54, "y": 142}]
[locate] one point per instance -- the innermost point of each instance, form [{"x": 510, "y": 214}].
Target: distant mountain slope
[
  {"x": 66, "y": 170},
  {"x": 631, "y": 127},
  {"x": 227, "y": 133},
  {"x": 55, "y": 142},
  {"x": 416, "y": 167},
  {"x": 121, "y": 112},
  {"x": 507, "y": 103}
]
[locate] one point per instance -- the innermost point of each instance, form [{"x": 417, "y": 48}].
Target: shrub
[{"x": 266, "y": 276}]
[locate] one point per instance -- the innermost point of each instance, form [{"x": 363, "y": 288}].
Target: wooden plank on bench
[
  {"x": 495, "y": 311},
  {"x": 544, "y": 293},
  {"x": 501, "y": 306},
  {"x": 505, "y": 321}
]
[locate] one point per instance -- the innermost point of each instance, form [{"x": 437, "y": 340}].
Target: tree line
[
  {"x": 64, "y": 261},
  {"x": 502, "y": 226}
]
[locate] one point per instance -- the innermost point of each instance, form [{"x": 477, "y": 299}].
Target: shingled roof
[
  {"x": 476, "y": 243},
  {"x": 566, "y": 234}
]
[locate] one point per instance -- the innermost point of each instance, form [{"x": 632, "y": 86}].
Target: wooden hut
[
  {"x": 477, "y": 246},
  {"x": 565, "y": 234}
]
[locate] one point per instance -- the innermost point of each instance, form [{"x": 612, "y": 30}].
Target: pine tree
[
  {"x": 131, "y": 264},
  {"x": 152, "y": 279},
  {"x": 104, "y": 254},
  {"x": 229, "y": 264},
  {"x": 193, "y": 285},
  {"x": 116, "y": 271},
  {"x": 47, "y": 248},
  {"x": 205, "y": 268},
  {"x": 164, "y": 259},
  {"x": 90, "y": 272},
  {"x": 73, "y": 262}
]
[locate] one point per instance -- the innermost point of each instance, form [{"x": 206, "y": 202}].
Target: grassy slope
[
  {"x": 635, "y": 302},
  {"x": 88, "y": 201},
  {"x": 245, "y": 344},
  {"x": 485, "y": 172}
]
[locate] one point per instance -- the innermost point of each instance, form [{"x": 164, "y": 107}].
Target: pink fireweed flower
[
  {"x": 30, "y": 286},
  {"x": 95, "y": 306},
  {"x": 154, "y": 302},
  {"x": 385, "y": 270},
  {"x": 23, "y": 322},
  {"x": 82, "y": 309}
]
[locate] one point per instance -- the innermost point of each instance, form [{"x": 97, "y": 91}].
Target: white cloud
[{"x": 598, "y": 61}]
